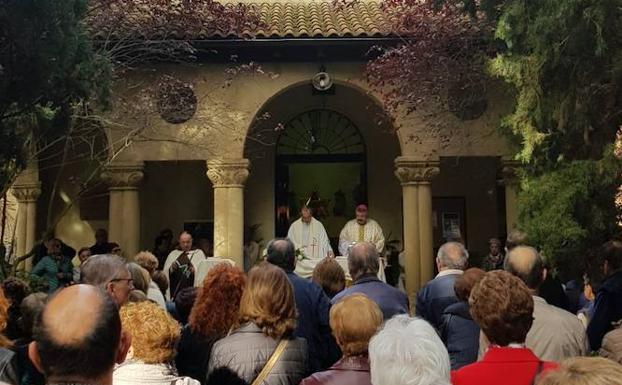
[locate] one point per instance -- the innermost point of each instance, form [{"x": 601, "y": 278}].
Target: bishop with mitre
[{"x": 361, "y": 229}]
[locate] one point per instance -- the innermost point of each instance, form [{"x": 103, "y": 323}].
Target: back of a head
[
  {"x": 525, "y": 263},
  {"x": 15, "y": 290},
  {"x": 584, "y": 371},
  {"x": 78, "y": 335},
  {"x": 611, "y": 252},
  {"x": 268, "y": 301},
  {"x": 329, "y": 275},
  {"x": 184, "y": 301},
  {"x": 408, "y": 351},
  {"x": 154, "y": 332},
  {"x": 217, "y": 306},
  {"x": 515, "y": 238},
  {"x": 465, "y": 282},
  {"x": 281, "y": 252},
  {"x": 453, "y": 255},
  {"x": 353, "y": 321},
  {"x": 160, "y": 279},
  {"x": 140, "y": 277},
  {"x": 30, "y": 308},
  {"x": 502, "y": 305},
  {"x": 363, "y": 259},
  {"x": 98, "y": 270},
  {"x": 147, "y": 261}
]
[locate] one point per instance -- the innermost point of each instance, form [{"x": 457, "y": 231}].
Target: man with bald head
[
  {"x": 555, "y": 334},
  {"x": 363, "y": 265},
  {"x": 78, "y": 337},
  {"x": 181, "y": 264},
  {"x": 109, "y": 273},
  {"x": 451, "y": 260}
]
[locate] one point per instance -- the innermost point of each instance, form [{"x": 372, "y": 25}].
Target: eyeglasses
[{"x": 130, "y": 281}]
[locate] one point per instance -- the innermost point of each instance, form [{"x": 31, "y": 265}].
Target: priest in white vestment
[
  {"x": 361, "y": 229},
  {"x": 309, "y": 236},
  {"x": 185, "y": 258}
]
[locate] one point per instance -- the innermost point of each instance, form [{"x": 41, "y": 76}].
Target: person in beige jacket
[{"x": 555, "y": 334}]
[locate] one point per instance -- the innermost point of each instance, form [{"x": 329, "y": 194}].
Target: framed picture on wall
[{"x": 451, "y": 225}]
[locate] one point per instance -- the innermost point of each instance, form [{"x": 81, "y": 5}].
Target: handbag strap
[{"x": 280, "y": 348}]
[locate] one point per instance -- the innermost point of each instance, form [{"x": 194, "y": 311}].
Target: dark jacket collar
[
  {"x": 367, "y": 278},
  {"x": 358, "y": 363},
  {"x": 460, "y": 309},
  {"x": 613, "y": 283}
]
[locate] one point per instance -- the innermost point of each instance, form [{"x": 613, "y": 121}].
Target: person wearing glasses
[{"x": 110, "y": 273}]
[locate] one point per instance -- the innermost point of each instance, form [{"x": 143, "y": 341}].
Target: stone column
[
  {"x": 509, "y": 180},
  {"x": 415, "y": 177},
  {"x": 124, "y": 211},
  {"x": 26, "y": 195},
  {"x": 228, "y": 177}
]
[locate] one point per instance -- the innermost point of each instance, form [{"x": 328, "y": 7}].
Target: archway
[
  {"x": 320, "y": 159},
  {"x": 340, "y": 142}
]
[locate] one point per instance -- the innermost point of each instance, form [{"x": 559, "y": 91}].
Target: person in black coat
[
  {"x": 313, "y": 307},
  {"x": 438, "y": 294},
  {"x": 608, "y": 302},
  {"x": 459, "y": 332}
]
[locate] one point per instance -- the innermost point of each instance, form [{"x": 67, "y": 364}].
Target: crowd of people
[{"x": 157, "y": 320}]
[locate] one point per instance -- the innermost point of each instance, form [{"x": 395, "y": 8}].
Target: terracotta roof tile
[{"x": 321, "y": 19}]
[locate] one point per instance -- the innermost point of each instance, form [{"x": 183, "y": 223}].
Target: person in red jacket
[{"x": 502, "y": 306}]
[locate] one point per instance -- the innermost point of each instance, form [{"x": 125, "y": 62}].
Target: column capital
[
  {"x": 413, "y": 171},
  {"x": 228, "y": 172},
  {"x": 26, "y": 193},
  {"x": 508, "y": 172},
  {"x": 123, "y": 176}
]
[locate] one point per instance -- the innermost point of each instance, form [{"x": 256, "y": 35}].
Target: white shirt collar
[{"x": 449, "y": 272}]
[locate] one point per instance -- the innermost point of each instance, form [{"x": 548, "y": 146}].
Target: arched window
[{"x": 320, "y": 132}]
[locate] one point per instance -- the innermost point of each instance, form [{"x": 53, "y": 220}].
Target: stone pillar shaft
[
  {"x": 26, "y": 195},
  {"x": 124, "y": 205},
  {"x": 228, "y": 177},
  {"x": 415, "y": 177}
]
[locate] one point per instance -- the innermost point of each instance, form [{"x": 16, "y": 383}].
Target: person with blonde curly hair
[
  {"x": 584, "y": 371},
  {"x": 215, "y": 312},
  {"x": 154, "y": 334},
  {"x": 268, "y": 320}
]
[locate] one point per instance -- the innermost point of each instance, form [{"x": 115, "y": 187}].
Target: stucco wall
[{"x": 226, "y": 114}]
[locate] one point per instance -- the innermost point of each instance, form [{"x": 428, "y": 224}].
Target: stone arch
[{"x": 382, "y": 144}]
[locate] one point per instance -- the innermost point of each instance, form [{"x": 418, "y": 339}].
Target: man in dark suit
[
  {"x": 437, "y": 294},
  {"x": 312, "y": 304},
  {"x": 363, "y": 265}
]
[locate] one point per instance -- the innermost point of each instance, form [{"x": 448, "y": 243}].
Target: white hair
[
  {"x": 408, "y": 351},
  {"x": 453, "y": 255}
]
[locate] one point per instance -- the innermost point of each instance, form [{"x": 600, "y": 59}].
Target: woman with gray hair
[{"x": 408, "y": 351}]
